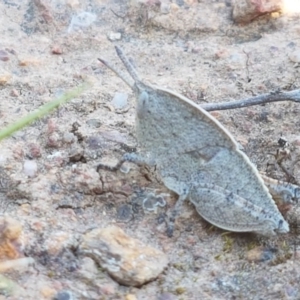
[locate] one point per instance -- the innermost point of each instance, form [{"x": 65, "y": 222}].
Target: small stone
[
  {"x": 94, "y": 123},
  {"x": 4, "y": 55},
  {"x": 261, "y": 254},
  {"x": 114, "y": 36},
  {"x": 11, "y": 244},
  {"x": 54, "y": 140},
  {"x": 94, "y": 142},
  {"x": 14, "y": 93},
  {"x": 295, "y": 57},
  {"x": 30, "y": 168},
  {"x": 236, "y": 61},
  {"x": 34, "y": 150},
  {"x": 124, "y": 213},
  {"x": 69, "y": 137},
  {"x": 120, "y": 100},
  {"x": 4, "y": 78},
  {"x": 64, "y": 295},
  {"x": 127, "y": 260},
  {"x": 245, "y": 11},
  {"x": 26, "y": 62},
  {"x": 57, "y": 50}
]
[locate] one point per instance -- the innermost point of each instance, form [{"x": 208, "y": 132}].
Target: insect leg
[
  {"x": 175, "y": 212},
  {"x": 130, "y": 157}
]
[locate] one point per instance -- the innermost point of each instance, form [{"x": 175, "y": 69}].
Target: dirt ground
[{"x": 49, "y": 181}]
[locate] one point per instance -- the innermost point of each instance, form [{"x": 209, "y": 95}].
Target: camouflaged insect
[{"x": 198, "y": 159}]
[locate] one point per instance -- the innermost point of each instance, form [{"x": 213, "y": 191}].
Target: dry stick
[{"x": 261, "y": 99}]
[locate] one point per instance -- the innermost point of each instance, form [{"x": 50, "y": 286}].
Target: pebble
[
  {"x": 64, "y": 295},
  {"x": 127, "y": 260},
  {"x": 30, "y": 168},
  {"x": 11, "y": 242},
  {"x": 54, "y": 140},
  {"x": 14, "y": 93},
  {"x": 124, "y": 213},
  {"x": 245, "y": 11},
  {"x": 236, "y": 61},
  {"x": 261, "y": 254},
  {"x": 30, "y": 61},
  {"x": 295, "y": 57},
  {"x": 120, "y": 100},
  {"x": 57, "y": 50},
  {"x": 94, "y": 142},
  {"x": 94, "y": 123},
  {"x": 4, "y": 55},
  {"x": 4, "y": 78},
  {"x": 114, "y": 36},
  {"x": 69, "y": 137}
]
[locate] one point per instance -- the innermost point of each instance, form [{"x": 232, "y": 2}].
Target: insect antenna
[
  {"x": 130, "y": 68},
  {"x": 117, "y": 72}
]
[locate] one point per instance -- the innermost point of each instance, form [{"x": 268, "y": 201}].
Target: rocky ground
[{"x": 70, "y": 233}]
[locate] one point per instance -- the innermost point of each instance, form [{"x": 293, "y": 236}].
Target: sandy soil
[{"x": 192, "y": 48}]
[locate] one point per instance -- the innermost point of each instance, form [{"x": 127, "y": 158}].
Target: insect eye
[
  {"x": 297, "y": 195},
  {"x": 142, "y": 103},
  {"x": 143, "y": 98}
]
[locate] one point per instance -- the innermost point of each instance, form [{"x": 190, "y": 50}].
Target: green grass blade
[{"x": 42, "y": 111}]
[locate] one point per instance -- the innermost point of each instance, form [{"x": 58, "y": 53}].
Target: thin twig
[{"x": 261, "y": 99}]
